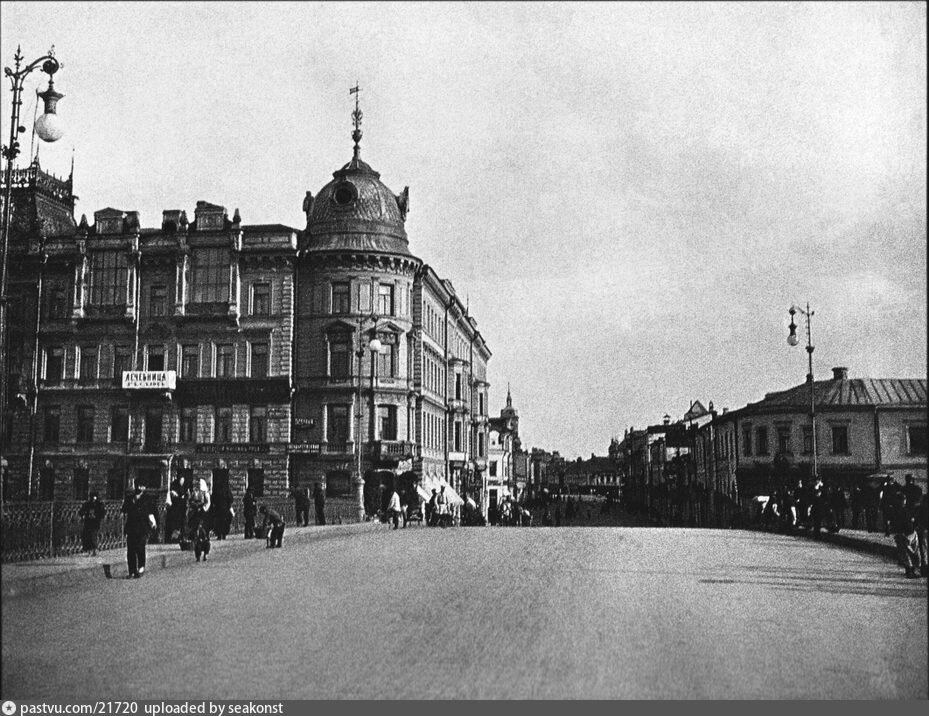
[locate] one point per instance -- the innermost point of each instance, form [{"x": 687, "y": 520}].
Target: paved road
[{"x": 485, "y": 613}]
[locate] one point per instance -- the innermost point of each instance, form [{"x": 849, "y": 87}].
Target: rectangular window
[
  {"x": 109, "y": 272},
  {"x": 259, "y": 360},
  {"x": 840, "y": 440},
  {"x": 747, "y": 442},
  {"x": 761, "y": 441},
  {"x": 337, "y": 423},
  {"x": 190, "y": 362},
  {"x": 387, "y": 422},
  {"x": 480, "y": 398},
  {"x": 258, "y": 424},
  {"x": 119, "y": 424},
  {"x": 122, "y": 361},
  {"x": 88, "y": 370},
  {"x": 364, "y": 297},
  {"x": 156, "y": 358},
  {"x": 339, "y": 358},
  {"x": 81, "y": 483},
  {"x": 158, "y": 300},
  {"x": 85, "y": 423},
  {"x": 114, "y": 484},
  {"x": 457, "y": 386},
  {"x": 916, "y": 440},
  {"x": 224, "y": 361},
  {"x": 458, "y": 447},
  {"x": 807, "y": 440},
  {"x": 222, "y": 432},
  {"x": 255, "y": 479},
  {"x": 340, "y": 298},
  {"x": 783, "y": 439},
  {"x": 210, "y": 275},
  {"x": 188, "y": 425},
  {"x": 54, "y": 365},
  {"x": 261, "y": 299},
  {"x": 385, "y": 299},
  {"x": 52, "y": 424},
  {"x": 493, "y": 469},
  {"x": 480, "y": 444},
  {"x": 57, "y": 302},
  {"x": 154, "y": 419},
  {"x": 387, "y": 361}
]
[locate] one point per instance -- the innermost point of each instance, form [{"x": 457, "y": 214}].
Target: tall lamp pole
[
  {"x": 793, "y": 340},
  {"x": 49, "y": 129},
  {"x": 374, "y": 345}
]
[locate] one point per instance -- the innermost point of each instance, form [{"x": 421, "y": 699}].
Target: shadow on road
[{"x": 830, "y": 581}]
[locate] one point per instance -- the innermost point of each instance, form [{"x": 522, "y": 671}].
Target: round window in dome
[{"x": 344, "y": 194}]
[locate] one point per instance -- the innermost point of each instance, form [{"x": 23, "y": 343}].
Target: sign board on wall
[{"x": 149, "y": 379}]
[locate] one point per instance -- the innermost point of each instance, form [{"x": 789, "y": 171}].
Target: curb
[{"x": 114, "y": 564}]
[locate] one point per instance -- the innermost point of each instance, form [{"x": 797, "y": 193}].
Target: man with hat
[{"x": 140, "y": 520}]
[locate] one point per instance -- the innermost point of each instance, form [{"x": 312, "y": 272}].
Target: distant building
[
  {"x": 596, "y": 476},
  {"x": 504, "y": 454}
]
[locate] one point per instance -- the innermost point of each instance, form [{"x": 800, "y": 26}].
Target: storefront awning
[{"x": 437, "y": 484}]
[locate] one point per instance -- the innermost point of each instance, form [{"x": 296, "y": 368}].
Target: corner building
[{"x": 390, "y": 385}]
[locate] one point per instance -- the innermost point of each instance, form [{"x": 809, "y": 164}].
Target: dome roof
[{"x": 356, "y": 211}]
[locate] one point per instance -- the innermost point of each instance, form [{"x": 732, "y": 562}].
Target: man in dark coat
[
  {"x": 93, "y": 512},
  {"x": 222, "y": 511},
  {"x": 139, "y": 509},
  {"x": 274, "y": 519},
  {"x": 302, "y": 505},
  {"x": 912, "y": 492},
  {"x": 903, "y": 525},
  {"x": 249, "y": 512},
  {"x": 319, "y": 502}
]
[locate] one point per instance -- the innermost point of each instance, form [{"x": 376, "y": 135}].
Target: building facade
[{"x": 246, "y": 355}]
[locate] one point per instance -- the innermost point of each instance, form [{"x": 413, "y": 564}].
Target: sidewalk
[{"x": 20, "y": 578}]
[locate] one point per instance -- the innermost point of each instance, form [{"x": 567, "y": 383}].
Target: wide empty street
[{"x": 484, "y": 613}]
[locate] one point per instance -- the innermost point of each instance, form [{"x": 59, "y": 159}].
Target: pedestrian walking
[
  {"x": 922, "y": 525},
  {"x": 838, "y": 503},
  {"x": 92, "y": 512},
  {"x": 394, "y": 509},
  {"x": 176, "y": 508},
  {"x": 887, "y": 499},
  {"x": 302, "y": 505},
  {"x": 432, "y": 509},
  {"x": 198, "y": 520},
  {"x": 249, "y": 512},
  {"x": 139, "y": 509},
  {"x": 222, "y": 511},
  {"x": 903, "y": 526},
  {"x": 442, "y": 508},
  {"x": 912, "y": 492},
  {"x": 274, "y": 521},
  {"x": 319, "y": 503}
]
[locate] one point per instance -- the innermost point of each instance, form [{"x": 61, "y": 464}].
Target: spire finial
[
  {"x": 509, "y": 398},
  {"x": 356, "y": 119}
]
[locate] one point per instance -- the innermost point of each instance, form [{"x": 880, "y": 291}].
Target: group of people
[
  {"x": 301, "y": 497},
  {"x": 901, "y": 510},
  {"x": 434, "y": 512}
]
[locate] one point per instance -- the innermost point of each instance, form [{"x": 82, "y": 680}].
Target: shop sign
[
  {"x": 149, "y": 379},
  {"x": 233, "y": 448}
]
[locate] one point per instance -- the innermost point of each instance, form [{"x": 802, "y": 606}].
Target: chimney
[{"x": 840, "y": 373}]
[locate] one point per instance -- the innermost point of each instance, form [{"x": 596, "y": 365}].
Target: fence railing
[{"x": 35, "y": 530}]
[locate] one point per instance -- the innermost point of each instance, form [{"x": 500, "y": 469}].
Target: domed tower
[{"x": 354, "y": 395}]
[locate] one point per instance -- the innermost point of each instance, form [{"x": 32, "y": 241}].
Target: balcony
[
  {"x": 458, "y": 405},
  {"x": 342, "y": 449},
  {"x": 391, "y": 450}
]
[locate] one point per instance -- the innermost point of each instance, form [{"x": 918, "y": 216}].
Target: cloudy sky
[{"x": 630, "y": 196}]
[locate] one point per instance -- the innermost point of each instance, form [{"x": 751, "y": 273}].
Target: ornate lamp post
[
  {"x": 793, "y": 340},
  {"x": 49, "y": 129},
  {"x": 373, "y": 345}
]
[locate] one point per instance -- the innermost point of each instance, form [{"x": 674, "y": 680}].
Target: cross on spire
[{"x": 356, "y": 118}]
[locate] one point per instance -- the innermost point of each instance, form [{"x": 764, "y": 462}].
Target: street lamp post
[
  {"x": 374, "y": 345},
  {"x": 49, "y": 129},
  {"x": 793, "y": 340}
]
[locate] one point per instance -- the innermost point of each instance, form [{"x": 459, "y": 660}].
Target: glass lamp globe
[
  {"x": 49, "y": 127},
  {"x": 375, "y": 345},
  {"x": 792, "y": 339}
]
